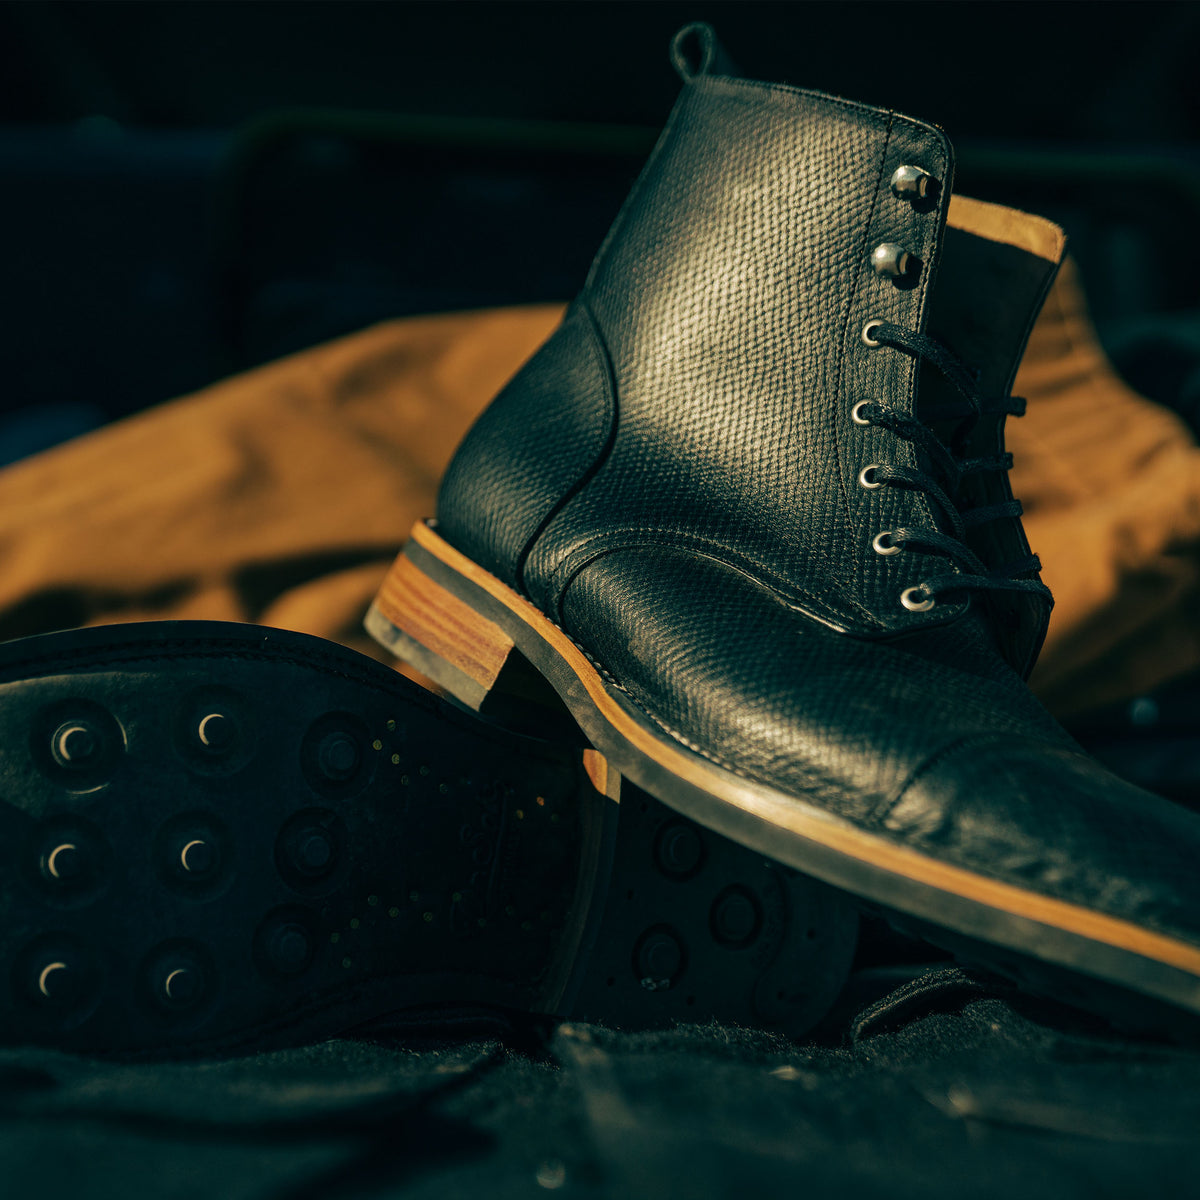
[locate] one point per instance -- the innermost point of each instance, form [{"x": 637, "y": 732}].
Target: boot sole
[
  {"x": 475, "y": 636},
  {"x": 260, "y": 837}
]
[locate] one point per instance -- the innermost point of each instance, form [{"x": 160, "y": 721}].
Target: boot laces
[{"x": 950, "y": 461}]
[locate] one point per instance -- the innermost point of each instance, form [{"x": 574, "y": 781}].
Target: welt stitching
[{"x": 604, "y": 361}]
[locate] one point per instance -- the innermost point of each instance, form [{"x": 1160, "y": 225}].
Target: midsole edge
[{"x": 818, "y": 844}]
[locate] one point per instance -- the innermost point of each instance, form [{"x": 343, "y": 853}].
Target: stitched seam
[
  {"x": 652, "y": 536},
  {"x": 612, "y": 682},
  {"x": 941, "y": 209},
  {"x": 918, "y": 500},
  {"x": 882, "y": 811},
  {"x": 604, "y": 362},
  {"x": 683, "y": 740},
  {"x": 842, "y": 351},
  {"x": 730, "y": 83}
]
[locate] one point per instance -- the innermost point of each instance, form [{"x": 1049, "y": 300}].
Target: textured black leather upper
[
  {"x": 673, "y": 479},
  {"x": 532, "y": 447},
  {"x": 761, "y": 688},
  {"x": 725, "y": 312},
  {"x": 931, "y": 739}
]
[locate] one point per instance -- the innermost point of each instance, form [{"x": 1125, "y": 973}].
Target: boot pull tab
[{"x": 696, "y": 50}]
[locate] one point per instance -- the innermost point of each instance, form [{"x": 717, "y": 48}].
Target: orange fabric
[
  {"x": 1111, "y": 488},
  {"x": 280, "y": 496}
]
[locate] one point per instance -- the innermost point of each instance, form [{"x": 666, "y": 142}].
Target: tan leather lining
[{"x": 995, "y": 223}]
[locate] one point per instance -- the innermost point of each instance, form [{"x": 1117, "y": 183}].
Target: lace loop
[{"x": 948, "y": 460}]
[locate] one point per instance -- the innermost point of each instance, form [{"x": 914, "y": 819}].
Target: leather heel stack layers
[{"x": 219, "y": 837}]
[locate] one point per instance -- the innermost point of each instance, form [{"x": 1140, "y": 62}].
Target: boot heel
[{"x": 426, "y": 625}]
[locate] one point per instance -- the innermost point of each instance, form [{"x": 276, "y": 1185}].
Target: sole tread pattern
[{"x": 215, "y": 838}]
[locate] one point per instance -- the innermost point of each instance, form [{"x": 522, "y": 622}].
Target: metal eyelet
[
  {"x": 908, "y": 598},
  {"x": 894, "y": 262},
  {"x": 912, "y": 183},
  {"x": 868, "y": 340},
  {"x": 856, "y": 410},
  {"x": 866, "y": 477},
  {"x": 882, "y": 543}
]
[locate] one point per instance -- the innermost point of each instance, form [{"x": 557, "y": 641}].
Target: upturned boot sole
[
  {"x": 479, "y": 639},
  {"x": 218, "y": 838}
]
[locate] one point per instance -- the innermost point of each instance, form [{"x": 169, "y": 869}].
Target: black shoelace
[{"x": 952, "y": 465}]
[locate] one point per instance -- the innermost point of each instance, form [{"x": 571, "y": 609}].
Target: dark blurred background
[{"x": 189, "y": 189}]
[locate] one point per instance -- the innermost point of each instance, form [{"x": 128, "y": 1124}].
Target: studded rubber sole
[
  {"x": 220, "y": 837},
  {"x": 475, "y": 637}
]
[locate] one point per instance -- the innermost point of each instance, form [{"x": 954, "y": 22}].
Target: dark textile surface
[{"x": 943, "y": 1087}]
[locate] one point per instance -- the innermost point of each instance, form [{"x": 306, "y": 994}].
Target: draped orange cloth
[
  {"x": 1111, "y": 488},
  {"x": 278, "y": 496},
  {"x": 281, "y": 495}
]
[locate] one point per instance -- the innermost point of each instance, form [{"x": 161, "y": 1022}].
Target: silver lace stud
[
  {"x": 868, "y": 329},
  {"x": 75, "y": 744},
  {"x": 53, "y": 979},
  {"x": 856, "y": 413},
  {"x": 916, "y": 599},
  {"x": 894, "y": 262},
  {"x": 181, "y": 987},
  {"x": 197, "y": 857},
  {"x": 215, "y": 731},
  {"x": 866, "y": 477},
  {"x": 882, "y": 543},
  {"x": 64, "y": 862},
  {"x": 911, "y": 183}
]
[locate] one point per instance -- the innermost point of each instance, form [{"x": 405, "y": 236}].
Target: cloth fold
[
  {"x": 1110, "y": 483},
  {"x": 280, "y": 496}
]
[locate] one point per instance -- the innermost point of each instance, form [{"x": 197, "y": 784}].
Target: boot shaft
[{"x": 699, "y": 393}]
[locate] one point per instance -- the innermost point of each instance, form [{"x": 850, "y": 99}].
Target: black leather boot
[
  {"x": 751, "y": 522},
  {"x": 219, "y": 837}
]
